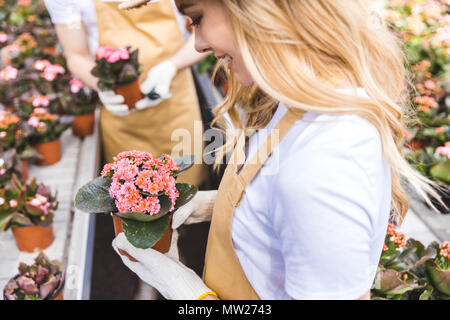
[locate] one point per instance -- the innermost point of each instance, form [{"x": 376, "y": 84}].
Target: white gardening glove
[
  {"x": 114, "y": 103},
  {"x": 169, "y": 276},
  {"x": 199, "y": 209},
  {"x": 158, "y": 83}
]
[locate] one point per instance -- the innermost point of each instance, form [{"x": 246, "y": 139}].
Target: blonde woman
[{"x": 323, "y": 84}]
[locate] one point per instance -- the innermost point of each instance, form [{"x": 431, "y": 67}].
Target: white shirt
[
  {"x": 312, "y": 223},
  {"x": 75, "y": 11}
]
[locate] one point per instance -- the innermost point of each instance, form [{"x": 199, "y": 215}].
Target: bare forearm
[
  {"x": 74, "y": 41},
  {"x": 187, "y": 55},
  {"x": 81, "y": 66}
]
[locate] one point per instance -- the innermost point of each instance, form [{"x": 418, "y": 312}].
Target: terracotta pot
[
  {"x": 163, "y": 245},
  {"x": 83, "y": 125},
  {"x": 49, "y": 50},
  {"x": 24, "y": 163},
  {"x": 28, "y": 239},
  {"x": 50, "y": 151},
  {"x": 11, "y": 108},
  {"x": 131, "y": 93},
  {"x": 57, "y": 295},
  {"x": 415, "y": 145}
]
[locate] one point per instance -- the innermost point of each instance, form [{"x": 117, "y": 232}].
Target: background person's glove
[
  {"x": 158, "y": 83},
  {"x": 199, "y": 209},
  {"x": 114, "y": 103},
  {"x": 166, "y": 274}
]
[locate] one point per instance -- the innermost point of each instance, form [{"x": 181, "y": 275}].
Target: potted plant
[
  {"x": 43, "y": 280},
  {"x": 141, "y": 193},
  {"x": 119, "y": 70},
  {"x": 410, "y": 271},
  {"x": 11, "y": 164},
  {"x": 28, "y": 209},
  {"x": 46, "y": 134},
  {"x": 80, "y": 102},
  {"x": 434, "y": 163},
  {"x": 14, "y": 148},
  {"x": 12, "y": 86}
]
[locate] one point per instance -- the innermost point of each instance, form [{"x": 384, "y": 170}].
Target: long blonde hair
[{"x": 298, "y": 51}]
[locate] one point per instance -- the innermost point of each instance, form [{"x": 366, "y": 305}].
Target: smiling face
[{"x": 214, "y": 32}]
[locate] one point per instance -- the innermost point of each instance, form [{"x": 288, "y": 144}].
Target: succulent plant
[
  {"x": 410, "y": 271},
  {"x": 39, "y": 281}
]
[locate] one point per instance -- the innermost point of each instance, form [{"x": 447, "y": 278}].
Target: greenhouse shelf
[{"x": 74, "y": 230}]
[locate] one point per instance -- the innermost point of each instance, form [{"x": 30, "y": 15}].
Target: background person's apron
[
  {"x": 223, "y": 272},
  {"x": 154, "y": 30}
]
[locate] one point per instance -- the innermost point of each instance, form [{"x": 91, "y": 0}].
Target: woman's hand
[
  {"x": 163, "y": 272},
  {"x": 199, "y": 209}
]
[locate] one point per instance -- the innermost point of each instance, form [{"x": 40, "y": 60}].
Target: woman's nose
[{"x": 200, "y": 44}]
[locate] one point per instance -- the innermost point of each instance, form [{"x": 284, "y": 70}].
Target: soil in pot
[
  {"x": 50, "y": 152},
  {"x": 131, "y": 93},
  {"x": 29, "y": 239}
]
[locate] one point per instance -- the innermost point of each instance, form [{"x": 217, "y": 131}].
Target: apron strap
[{"x": 241, "y": 180}]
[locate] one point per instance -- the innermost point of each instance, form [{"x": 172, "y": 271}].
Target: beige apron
[
  {"x": 223, "y": 272},
  {"x": 153, "y": 29}
]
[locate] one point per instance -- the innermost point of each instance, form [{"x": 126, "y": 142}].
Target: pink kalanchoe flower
[
  {"x": 8, "y": 73},
  {"x": 119, "y": 54},
  {"x": 124, "y": 54},
  {"x": 40, "y": 111},
  {"x": 40, "y": 65},
  {"x": 34, "y": 122},
  {"x": 51, "y": 71},
  {"x": 137, "y": 179},
  {"x": 40, "y": 101},
  {"x": 3, "y": 37},
  {"x": 24, "y": 3},
  {"x": 12, "y": 203},
  {"x": 444, "y": 150},
  {"x": 114, "y": 57},
  {"x": 103, "y": 52},
  {"x": 76, "y": 85}
]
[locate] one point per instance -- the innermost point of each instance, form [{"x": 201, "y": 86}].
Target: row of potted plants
[
  {"x": 39, "y": 101},
  {"x": 424, "y": 28},
  {"x": 410, "y": 271}
]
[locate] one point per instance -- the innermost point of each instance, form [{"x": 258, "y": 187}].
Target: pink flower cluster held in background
[
  {"x": 138, "y": 179},
  {"x": 112, "y": 55}
]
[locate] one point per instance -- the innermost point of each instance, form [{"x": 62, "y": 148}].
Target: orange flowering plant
[
  {"x": 424, "y": 28},
  {"x": 410, "y": 271},
  {"x": 45, "y": 126}
]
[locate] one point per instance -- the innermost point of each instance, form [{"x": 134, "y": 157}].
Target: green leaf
[
  {"x": 5, "y": 218},
  {"x": 145, "y": 235},
  {"x": 439, "y": 278},
  {"x": 94, "y": 197},
  {"x": 19, "y": 219},
  {"x": 187, "y": 193},
  {"x": 33, "y": 211},
  {"x": 441, "y": 171}
]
